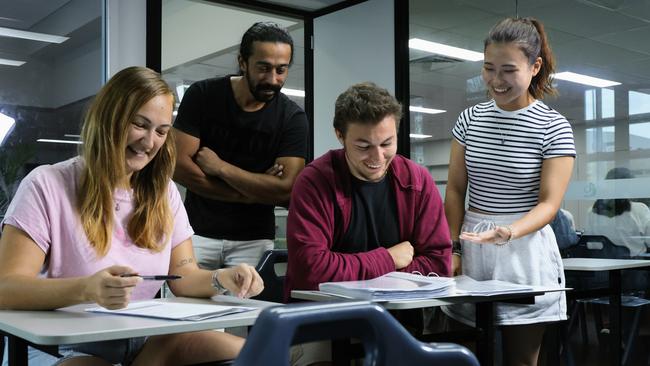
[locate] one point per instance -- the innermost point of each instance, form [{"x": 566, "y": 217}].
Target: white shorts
[
  {"x": 218, "y": 253},
  {"x": 533, "y": 259}
]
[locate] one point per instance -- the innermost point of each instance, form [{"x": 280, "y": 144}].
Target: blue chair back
[{"x": 384, "y": 340}]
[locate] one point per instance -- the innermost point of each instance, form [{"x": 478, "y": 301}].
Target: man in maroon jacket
[{"x": 362, "y": 211}]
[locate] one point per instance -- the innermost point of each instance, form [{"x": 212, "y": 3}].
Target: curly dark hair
[{"x": 263, "y": 32}]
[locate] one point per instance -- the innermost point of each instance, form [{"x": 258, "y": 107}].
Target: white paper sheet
[{"x": 173, "y": 310}]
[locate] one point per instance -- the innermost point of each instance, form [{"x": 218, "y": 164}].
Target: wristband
[
  {"x": 509, "y": 228},
  {"x": 456, "y": 247},
  {"x": 216, "y": 284}
]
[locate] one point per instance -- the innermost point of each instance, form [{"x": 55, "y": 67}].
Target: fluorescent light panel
[
  {"x": 293, "y": 92},
  {"x": 419, "y": 136},
  {"x": 43, "y": 37},
  {"x": 419, "y": 109},
  {"x": 53, "y": 141},
  {"x": 6, "y": 125},
  {"x": 585, "y": 79},
  {"x": 5, "y": 61},
  {"x": 443, "y": 49}
]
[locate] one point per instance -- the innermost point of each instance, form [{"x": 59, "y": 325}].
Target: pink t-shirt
[{"x": 45, "y": 208}]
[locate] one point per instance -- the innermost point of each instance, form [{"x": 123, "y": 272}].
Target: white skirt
[{"x": 533, "y": 259}]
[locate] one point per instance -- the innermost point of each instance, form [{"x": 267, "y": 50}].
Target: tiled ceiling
[
  {"x": 309, "y": 5},
  {"x": 605, "y": 38}
]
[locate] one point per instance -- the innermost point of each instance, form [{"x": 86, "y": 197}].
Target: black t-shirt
[
  {"x": 249, "y": 140},
  {"x": 374, "y": 217}
]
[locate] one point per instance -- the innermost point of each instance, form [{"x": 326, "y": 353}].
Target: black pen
[{"x": 153, "y": 278}]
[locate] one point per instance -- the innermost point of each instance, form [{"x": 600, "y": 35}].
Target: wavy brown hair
[
  {"x": 104, "y": 135},
  {"x": 365, "y": 103},
  {"x": 529, "y": 35}
]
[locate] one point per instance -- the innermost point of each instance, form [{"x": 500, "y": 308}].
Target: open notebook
[
  {"x": 392, "y": 286},
  {"x": 173, "y": 310}
]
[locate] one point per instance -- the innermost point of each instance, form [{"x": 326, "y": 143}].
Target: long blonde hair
[{"x": 104, "y": 134}]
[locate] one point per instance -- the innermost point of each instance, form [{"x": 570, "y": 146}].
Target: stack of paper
[
  {"x": 468, "y": 286},
  {"x": 173, "y": 310},
  {"x": 392, "y": 286}
]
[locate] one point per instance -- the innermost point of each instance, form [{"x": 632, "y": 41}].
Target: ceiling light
[
  {"x": 4, "y": 61},
  {"x": 584, "y": 79},
  {"x": 60, "y": 141},
  {"x": 419, "y": 136},
  {"x": 443, "y": 49},
  {"x": 293, "y": 92},
  {"x": 425, "y": 110},
  {"x": 6, "y": 126},
  {"x": 43, "y": 37}
]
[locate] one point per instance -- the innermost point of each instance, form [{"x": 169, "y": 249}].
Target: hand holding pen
[{"x": 108, "y": 289}]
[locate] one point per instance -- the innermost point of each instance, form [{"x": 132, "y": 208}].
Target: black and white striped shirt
[{"x": 504, "y": 151}]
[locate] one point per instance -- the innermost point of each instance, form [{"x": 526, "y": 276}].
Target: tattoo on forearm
[{"x": 185, "y": 261}]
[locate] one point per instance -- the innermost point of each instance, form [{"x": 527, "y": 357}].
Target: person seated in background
[
  {"x": 564, "y": 229},
  {"x": 113, "y": 210},
  {"x": 363, "y": 211},
  {"x": 624, "y": 222}
]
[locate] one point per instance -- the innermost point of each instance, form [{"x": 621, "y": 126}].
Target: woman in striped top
[{"x": 516, "y": 155}]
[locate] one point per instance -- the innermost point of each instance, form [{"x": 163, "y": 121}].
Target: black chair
[
  {"x": 273, "y": 282},
  {"x": 599, "y": 246},
  {"x": 593, "y": 246},
  {"x": 384, "y": 340}
]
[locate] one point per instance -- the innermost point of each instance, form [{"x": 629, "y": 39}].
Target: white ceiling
[
  {"x": 309, "y": 5},
  {"x": 603, "y": 38}
]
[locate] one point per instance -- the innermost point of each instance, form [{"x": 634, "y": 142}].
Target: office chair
[
  {"x": 273, "y": 283},
  {"x": 384, "y": 340},
  {"x": 599, "y": 246}
]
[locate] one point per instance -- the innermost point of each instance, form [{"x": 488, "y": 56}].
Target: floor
[{"x": 592, "y": 353}]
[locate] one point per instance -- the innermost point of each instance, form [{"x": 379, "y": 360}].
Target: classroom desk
[
  {"x": 613, "y": 268},
  {"x": 484, "y": 312},
  {"x": 72, "y": 325}
]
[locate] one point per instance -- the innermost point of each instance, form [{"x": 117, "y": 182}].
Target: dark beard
[{"x": 258, "y": 91}]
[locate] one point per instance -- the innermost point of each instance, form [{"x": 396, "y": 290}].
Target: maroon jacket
[{"x": 319, "y": 216}]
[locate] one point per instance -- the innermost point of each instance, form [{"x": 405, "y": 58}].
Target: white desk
[
  {"x": 525, "y": 297},
  {"x": 613, "y": 268},
  {"x": 74, "y": 325},
  {"x": 602, "y": 264},
  {"x": 484, "y": 311}
]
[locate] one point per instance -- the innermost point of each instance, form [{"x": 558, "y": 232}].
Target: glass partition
[
  {"x": 50, "y": 66},
  {"x": 600, "y": 39},
  {"x": 215, "y": 31}
]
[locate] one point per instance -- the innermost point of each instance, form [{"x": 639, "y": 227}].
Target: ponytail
[{"x": 542, "y": 83}]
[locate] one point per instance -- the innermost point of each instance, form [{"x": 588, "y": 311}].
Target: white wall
[
  {"x": 126, "y": 34},
  {"x": 192, "y": 30},
  {"x": 351, "y": 45}
]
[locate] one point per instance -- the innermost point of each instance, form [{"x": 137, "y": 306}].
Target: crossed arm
[{"x": 202, "y": 171}]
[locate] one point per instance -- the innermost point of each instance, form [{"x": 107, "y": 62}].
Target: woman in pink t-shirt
[{"x": 113, "y": 210}]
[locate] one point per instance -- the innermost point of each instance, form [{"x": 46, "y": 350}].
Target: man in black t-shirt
[{"x": 241, "y": 144}]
